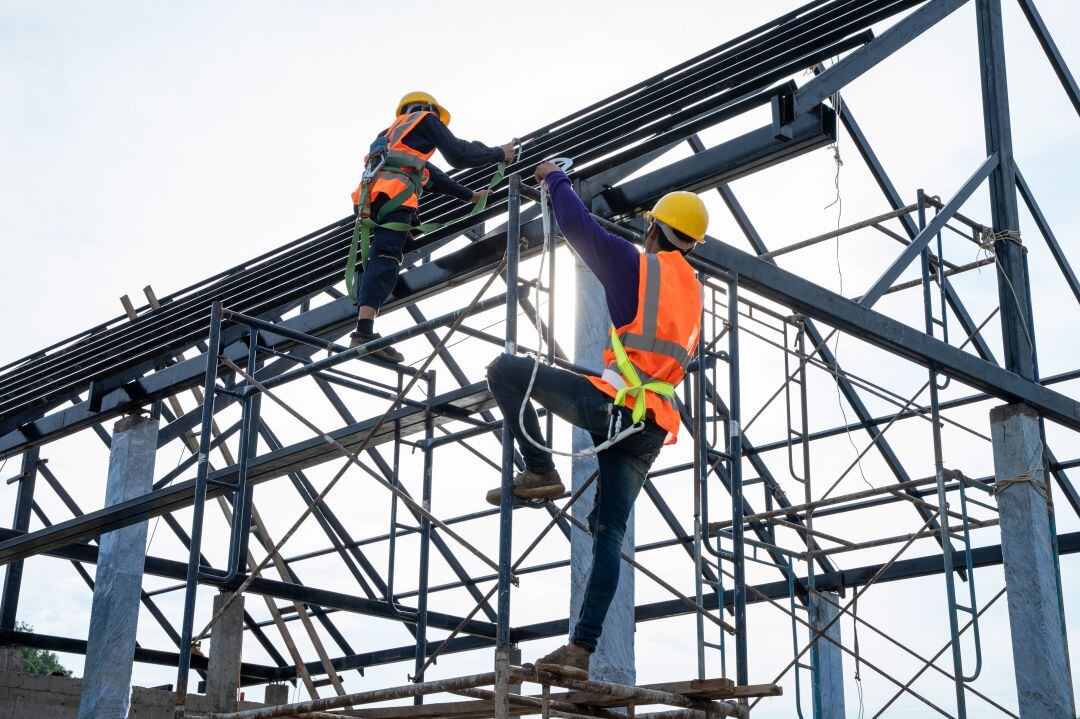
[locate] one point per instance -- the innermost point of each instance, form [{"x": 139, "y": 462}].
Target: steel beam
[
  {"x": 728, "y": 161},
  {"x": 24, "y": 500},
  {"x": 839, "y": 75},
  {"x": 51, "y": 643},
  {"x": 273, "y": 464},
  {"x": 1068, "y": 82},
  {"x": 936, "y": 225},
  {"x": 886, "y": 333},
  {"x": 916, "y": 567}
]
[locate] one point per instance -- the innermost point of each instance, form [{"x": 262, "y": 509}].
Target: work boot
[
  {"x": 567, "y": 661},
  {"x": 531, "y": 484},
  {"x": 388, "y": 354}
]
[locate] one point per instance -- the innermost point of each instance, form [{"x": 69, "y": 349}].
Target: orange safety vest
[
  {"x": 662, "y": 338},
  {"x": 401, "y": 157}
]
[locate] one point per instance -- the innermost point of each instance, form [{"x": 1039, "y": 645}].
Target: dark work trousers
[
  {"x": 623, "y": 467},
  {"x": 384, "y": 260}
]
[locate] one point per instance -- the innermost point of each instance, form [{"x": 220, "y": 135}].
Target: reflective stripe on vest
[
  {"x": 658, "y": 343},
  {"x": 647, "y": 341},
  {"x": 406, "y": 168}
]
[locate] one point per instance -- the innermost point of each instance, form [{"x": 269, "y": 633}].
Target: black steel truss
[{"x": 124, "y": 364}]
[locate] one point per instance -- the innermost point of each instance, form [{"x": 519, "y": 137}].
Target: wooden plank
[
  {"x": 751, "y": 691},
  {"x": 719, "y": 688}
]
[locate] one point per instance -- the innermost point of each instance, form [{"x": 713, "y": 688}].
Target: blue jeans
[
  {"x": 384, "y": 260},
  {"x": 623, "y": 467}
]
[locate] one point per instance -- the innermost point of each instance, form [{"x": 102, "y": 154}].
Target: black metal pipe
[
  {"x": 194, "y": 553},
  {"x": 502, "y": 641}
]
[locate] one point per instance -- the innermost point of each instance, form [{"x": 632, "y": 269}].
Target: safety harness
[
  {"x": 383, "y": 161},
  {"x": 634, "y": 386}
]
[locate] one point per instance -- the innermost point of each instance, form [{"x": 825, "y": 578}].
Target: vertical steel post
[
  {"x": 1012, "y": 280},
  {"x": 939, "y": 466},
  {"x": 502, "y": 633},
  {"x": 9, "y": 605},
  {"x": 701, "y": 463},
  {"x": 1042, "y": 677},
  {"x": 195, "y": 546},
  {"x": 249, "y": 444},
  {"x": 425, "y": 543},
  {"x": 742, "y": 673}
]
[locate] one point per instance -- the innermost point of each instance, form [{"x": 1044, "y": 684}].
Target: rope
[
  {"x": 615, "y": 433},
  {"x": 988, "y": 238},
  {"x": 352, "y": 456},
  {"x": 1032, "y": 476}
]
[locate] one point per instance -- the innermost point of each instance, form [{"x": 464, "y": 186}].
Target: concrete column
[
  {"x": 826, "y": 658},
  {"x": 1043, "y": 684},
  {"x": 11, "y": 659},
  {"x": 613, "y": 660},
  {"x": 114, "y": 616},
  {"x": 226, "y": 645},
  {"x": 276, "y": 694}
]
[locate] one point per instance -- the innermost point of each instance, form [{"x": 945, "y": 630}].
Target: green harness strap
[
  {"x": 364, "y": 226},
  {"x": 634, "y": 386}
]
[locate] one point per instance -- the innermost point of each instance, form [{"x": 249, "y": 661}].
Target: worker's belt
[
  {"x": 629, "y": 381},
  {"x": 406, "y": 169}
]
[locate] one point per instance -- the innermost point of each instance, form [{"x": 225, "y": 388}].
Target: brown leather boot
[
  {"x": 531, "y": 484},
  {"x": 566, "y": 662}
]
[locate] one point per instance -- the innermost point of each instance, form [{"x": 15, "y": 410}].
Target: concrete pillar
[
  {"x": 613, "y": 660},
  {"x": 11, "y": 659},
  {"x": 276, "y": 694},
  {"x": 826, "y": 658},
  {"x": 226, "y": 644},
  {"x": 1043, "y": 684},
  {"x": 114, "y": 616}
]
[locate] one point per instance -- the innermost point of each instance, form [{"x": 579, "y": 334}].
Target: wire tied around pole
[
  {"x": 1032, "y": 476},
  {"x": 989, "y": 237}
]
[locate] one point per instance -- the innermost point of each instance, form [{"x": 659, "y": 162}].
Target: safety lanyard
[
  {"x": 634, "y": 386},
  {"x": 364, "y": 226}
]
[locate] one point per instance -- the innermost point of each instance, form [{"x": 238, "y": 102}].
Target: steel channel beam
[
  {"x": 1068, "y": 82},
  {"x": 265, "y": 467},
  {"x": 741, "y": 156},
  {"x": 50, "y": 643},
  {"x": 903, "y": 569},
  {"x": 852, "y": 397},
  {"x": 473, "y": 261},
  {"x": 24, "y": 499},
  {"x": 886, "y": 333},
  {"x": 1048, "y": 235},
  {"x": 290, "y": 591},
  {"x": 839, "y": 75},
  {"x": 853, "y": 24}
]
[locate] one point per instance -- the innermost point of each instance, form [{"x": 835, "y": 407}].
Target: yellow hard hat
[
  {"x": 420, "y": 96},
  {"x": 682, "y": 211}
]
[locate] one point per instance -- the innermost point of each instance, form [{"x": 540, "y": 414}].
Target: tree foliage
[{"x": 37, "y": 661}]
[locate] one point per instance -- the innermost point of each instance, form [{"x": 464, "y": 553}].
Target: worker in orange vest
[
  {"x": 654, "y": 303},
  {"x": 393, "y": 196}
]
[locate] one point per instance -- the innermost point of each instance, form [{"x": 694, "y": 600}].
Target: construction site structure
[{"x": 207, "y": 369}]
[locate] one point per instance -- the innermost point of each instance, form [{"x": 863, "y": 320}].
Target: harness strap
[
  {"x": 634, "y": 386},
  {"x": 364, "y": 225}
]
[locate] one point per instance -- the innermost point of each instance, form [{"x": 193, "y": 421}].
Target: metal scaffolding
[{"x": 266, "y": 337}]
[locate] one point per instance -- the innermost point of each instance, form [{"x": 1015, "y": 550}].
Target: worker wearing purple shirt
[
  {"x": 623, "y": 466},
  {"x": 611, "y": 258}
]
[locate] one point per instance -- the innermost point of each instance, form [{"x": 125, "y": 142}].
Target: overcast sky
[{"x": 159, "y": 143}]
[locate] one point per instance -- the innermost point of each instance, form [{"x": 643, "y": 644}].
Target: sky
[{"x": 159, "y": 143}]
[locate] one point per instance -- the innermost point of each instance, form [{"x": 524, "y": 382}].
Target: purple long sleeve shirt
[{"x": 613, "y": 260}]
